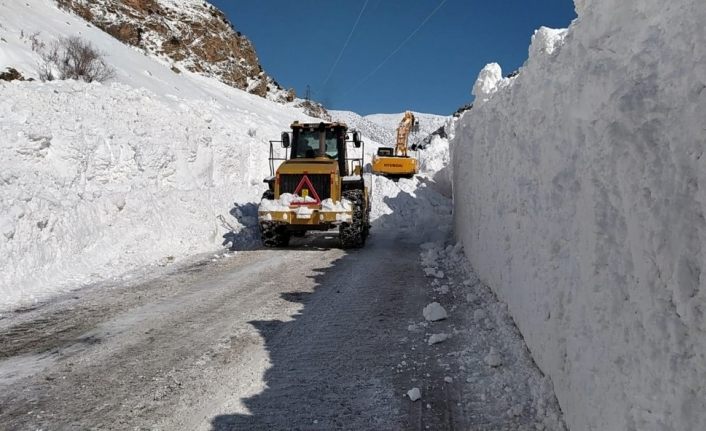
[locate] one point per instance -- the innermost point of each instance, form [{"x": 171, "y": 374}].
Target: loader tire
[
  {"x": 274, "y": 234},
  {"x": 353, "y": 234}
]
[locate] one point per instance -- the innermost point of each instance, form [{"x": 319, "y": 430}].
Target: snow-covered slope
[
  {"x": 32, "y": 23},
  {"x": 381, "y": 128},
  {"x": 427, "y": 122},
  {"x": 100, "y": 179},
  {"x": 373, "y": 133},
  {"x": 578, "y": 190}
]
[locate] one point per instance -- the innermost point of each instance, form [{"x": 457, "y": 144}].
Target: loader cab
[{"x": 322, "y": 141}]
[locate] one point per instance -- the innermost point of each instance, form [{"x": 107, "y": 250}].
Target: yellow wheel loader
[
  {"x": 315, "y": 187},
  {"x": 395, "y": 162}
]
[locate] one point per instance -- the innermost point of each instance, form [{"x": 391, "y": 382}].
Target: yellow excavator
[{"x": 395, "y": 162}]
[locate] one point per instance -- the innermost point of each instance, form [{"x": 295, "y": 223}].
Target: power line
[
  {"x": 345, "y": 45},
  {"x": 404, "y": 42}
]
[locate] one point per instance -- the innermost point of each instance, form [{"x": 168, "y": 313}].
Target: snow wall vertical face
[{"x": 580, "y": 191}]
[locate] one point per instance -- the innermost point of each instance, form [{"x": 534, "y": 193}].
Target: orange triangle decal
[{"x": 310, "y": 189}]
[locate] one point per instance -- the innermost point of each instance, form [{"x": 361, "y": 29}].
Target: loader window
[
  {"x": 331, "y": 146},
  {"x": 307, "y": 144}
]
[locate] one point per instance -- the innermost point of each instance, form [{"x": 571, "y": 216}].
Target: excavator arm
[{"x": 403, "y": 131}]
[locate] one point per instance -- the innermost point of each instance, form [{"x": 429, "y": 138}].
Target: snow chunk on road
[
  {"x": 433, "y": 272},
  {"x": 493, "y": 358},
  {"x": 434, "y": 312},
  {"x": 414, "y": 394},
  {"x": 416, "y": 327},
  {"x": 438, "y": 338}
]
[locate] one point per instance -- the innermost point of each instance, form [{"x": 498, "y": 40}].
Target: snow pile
[
  {"x": 98, "y": 180},
  {"x": 546, "y": 40},
  {"x": 286, "y": 200},
  {"x": 435, "y": 157},
  {"x": 489, "y": 81},
  {"x": 434, "y": 312},
  {"x": 409, "y": 206},
  {"x": 578, "y": 199},
  {"x": 437, "y": 338},
  {"x": 331, "y": 205},
  {"x": 414, "y": 394}
]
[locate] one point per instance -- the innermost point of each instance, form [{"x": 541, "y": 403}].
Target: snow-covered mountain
[
  {"x": 381, "y": 128},
  {"x": 373, "y": 132},
  {"x": 578, "y": 191},
  {"x": 428, "y": 123}
]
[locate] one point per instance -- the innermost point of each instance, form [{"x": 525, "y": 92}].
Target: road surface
[{"x": 310, "y": 337}]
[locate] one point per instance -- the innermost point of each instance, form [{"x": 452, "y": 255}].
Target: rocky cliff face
[{"x": 190, "y": 34}]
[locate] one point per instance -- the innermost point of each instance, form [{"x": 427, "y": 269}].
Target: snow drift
[{"x": 579, "y": 197}]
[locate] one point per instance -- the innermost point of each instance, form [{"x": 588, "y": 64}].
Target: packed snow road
[{"x": 310, "y": 337}]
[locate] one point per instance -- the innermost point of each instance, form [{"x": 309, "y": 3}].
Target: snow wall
[
  {"x": 579, "y": 197},
  {"x": 102, "y": 179}
]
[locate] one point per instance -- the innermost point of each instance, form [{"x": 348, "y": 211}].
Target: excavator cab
[{"x": 386, "y": 152}]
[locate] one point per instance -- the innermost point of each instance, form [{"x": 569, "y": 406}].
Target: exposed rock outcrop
[
  {"x": 11, "y": 74},
  {"x": 192, "y": 35}
]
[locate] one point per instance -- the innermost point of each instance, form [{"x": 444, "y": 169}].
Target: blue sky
[{"x": 299, "y": 41}]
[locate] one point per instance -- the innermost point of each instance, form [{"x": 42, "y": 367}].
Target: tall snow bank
[
  {"x": 579, "y": 196},
  {"x": 98, "y": 180}
]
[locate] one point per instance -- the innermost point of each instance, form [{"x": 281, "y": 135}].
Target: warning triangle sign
[{"x": 306, "y": 188}]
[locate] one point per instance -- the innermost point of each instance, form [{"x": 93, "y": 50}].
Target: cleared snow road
[{"x": 310, "y": 337}]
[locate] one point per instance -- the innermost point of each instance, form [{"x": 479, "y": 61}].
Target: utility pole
[{"x": 308, "y": 93}]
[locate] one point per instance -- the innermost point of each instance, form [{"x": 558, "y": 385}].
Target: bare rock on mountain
[
  {"x": 192, "y": 35},
  {"x": 314, "y": 109},
  {"x": 11, "y": 74}
]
